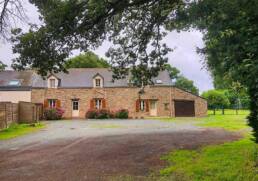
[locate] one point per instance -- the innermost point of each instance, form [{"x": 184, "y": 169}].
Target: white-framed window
[
  {"x": 142, "y": 105},
  {"x": 52, "y": 83},
  {"x": 52, "y": 103},
  {"x": 75, "y": 105},
  {"x": 97, "y": 82},
  {"x": 98, "y": 103}
]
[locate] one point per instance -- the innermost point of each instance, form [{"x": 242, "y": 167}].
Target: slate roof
[
  {"x": 76, "y": 78},
  {"x": 24, "y": 77}
]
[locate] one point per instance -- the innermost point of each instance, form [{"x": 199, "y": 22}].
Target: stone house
[{"x": 92, "y": 88}]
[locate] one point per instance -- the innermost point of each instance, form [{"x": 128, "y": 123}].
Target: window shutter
[
  {"x": 137, "y": 105},
  {"x": 92, "y": 102},
  {"x": 58, "y": 103},
  {"x": 103, "y": 103},
  {"x": 147, "y": 105},
  {"x": 46, "y": 103}
]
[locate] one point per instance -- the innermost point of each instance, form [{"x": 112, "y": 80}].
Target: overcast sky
[{"x": 184, "y": 57}]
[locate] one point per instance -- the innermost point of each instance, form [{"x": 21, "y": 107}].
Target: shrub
[
  {"x": 53, "y": 114},
  {"x": 106, "y": 114},
  {"x": 103, "y": 114},
  {"x": 122, "y": 114},
  {"x": 91, "y": 114}
]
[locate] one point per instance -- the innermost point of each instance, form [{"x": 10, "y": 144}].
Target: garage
[{"x": 184, "y": 108}]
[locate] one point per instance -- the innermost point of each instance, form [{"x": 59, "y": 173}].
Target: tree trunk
[
  {"x": 223, "y": 111},
  {"x": 214, "y": 111},
  {"x": 253, "y": 117}
]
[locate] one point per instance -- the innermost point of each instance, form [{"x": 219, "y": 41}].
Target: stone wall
[{"x": 120, "y": 98}]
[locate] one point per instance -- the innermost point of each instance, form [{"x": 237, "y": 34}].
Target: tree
[
  {"x": 186, "y": 84},
  {"x": 181, "y": 81},
  {"x": 87, "y": 60},
  {"x": 231, "y": 42},
  {"x": 216, "y": 99},
  {"x": 2, "y": 66},
  {"x": 131, "y": 25},
  {"x": 11, "y": 11},
  {"x": 173, "y": 71}
]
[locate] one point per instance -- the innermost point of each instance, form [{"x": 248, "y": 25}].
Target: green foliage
[
  {"x": 173, "y": 71},
  {"x": 131, "y": 26},
  {"x": 2, "y": 66},
  {"x": 53, "y": 114},
  {"x": 122, "y": 114},
  {"x": 181, "y": 81},
  {"x": 106, "y": 114},
  {"x": 186, "y": 84},
  {"x": 99, "y": 114},
  {"x": 231, "y": 42},
  {"x": 87, "y": 60},
  {"x": 16, "y": 130},
  {"x": 216, "y": 99}
]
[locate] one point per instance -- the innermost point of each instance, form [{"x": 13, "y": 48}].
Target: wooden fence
[{"x": 22, "y": 112}]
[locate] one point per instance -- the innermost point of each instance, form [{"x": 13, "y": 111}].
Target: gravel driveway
[{"x": 97, "y": 150}]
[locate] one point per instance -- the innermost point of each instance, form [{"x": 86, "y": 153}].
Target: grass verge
[
  {"x": 235, "y": 161},
  {"x": 16, "y": 130}
]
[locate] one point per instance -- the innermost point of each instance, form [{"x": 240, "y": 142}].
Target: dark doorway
[{"x": 184, "y": 108}]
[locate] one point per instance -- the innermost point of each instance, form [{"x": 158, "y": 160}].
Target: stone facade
[{"x": 120, "y": 98}]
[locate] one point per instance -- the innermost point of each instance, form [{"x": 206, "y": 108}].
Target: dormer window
[
  {"x": 52, "y": 83},
  {"x": 97, "y": 82}
]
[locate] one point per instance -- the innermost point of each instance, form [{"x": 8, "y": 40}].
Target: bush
[
  {"x": 106, "y": 114},
  {"x": 122, "y": 114},
  {"x": 103, "y": 114},
  {"x": 91, "y": 114},
  {"x": 98, "y": 114},
  {"x": 53, "y": 114}
]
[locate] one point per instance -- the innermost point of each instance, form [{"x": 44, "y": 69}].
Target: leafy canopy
[
  {"x": 135, "y": 27},
  {"x": 87, "y": 60},
  {"x": 231, "y": 42},
  {"x": 187, "y": 85},
  {"x": 2, "y": 66},
  {"x": 181, "y": 81},
  {"x": 216, "y": 99}
]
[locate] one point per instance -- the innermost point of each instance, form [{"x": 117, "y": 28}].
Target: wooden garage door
[{"x": 184, "y": 108}]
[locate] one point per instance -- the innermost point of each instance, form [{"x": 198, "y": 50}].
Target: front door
[
  {"x": 153, "y": 108},
  {"x": 75, "y": 109}
]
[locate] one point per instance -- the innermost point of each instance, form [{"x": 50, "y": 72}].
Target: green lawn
[
  {"x": 230, "y": 122},
  {"x": 229, "y": 112},
  {"x": 234, "y": 161},
  {"x": 19, "y": 129}
]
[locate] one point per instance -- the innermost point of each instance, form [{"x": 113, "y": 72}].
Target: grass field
[
  {"x": 229, "y": 112},
  {"x": 230, "y": 122},
  {"x": 235, "y": 161},
  {"x": 19, "y": 129}
]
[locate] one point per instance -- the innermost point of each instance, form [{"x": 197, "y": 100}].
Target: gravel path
[
  {"x": 99, "y": 150},
  {"x": 71, "y": 129}
]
